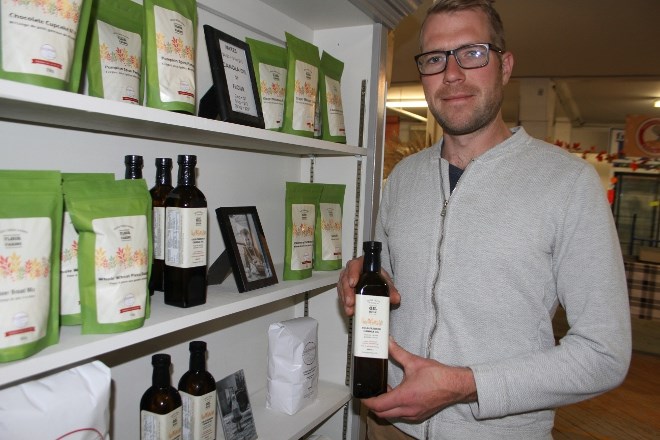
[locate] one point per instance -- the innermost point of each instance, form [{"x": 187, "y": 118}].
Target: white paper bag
[
  {"x": 71, "y": 405},
  {"x": 293, "y": 369}
]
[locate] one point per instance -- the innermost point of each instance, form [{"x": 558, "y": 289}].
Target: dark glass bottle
[
  {"x": 370, "y": 327},
  {"x": 158, "y": 193},
  {"x": 185, "y": 239},
  {"x": 134, "y": 166},
  {"x": 198, "y": 393},
  {"x": 160, "y": 406}
]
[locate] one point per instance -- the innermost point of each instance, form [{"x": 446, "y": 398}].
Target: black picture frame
[
  {"x": 234, "y": 96},
  {"x": 235, "y": 408},
  {"x": 246, "y": 247}
]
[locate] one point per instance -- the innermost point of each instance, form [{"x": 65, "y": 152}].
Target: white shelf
[
  {"x": 40, "y": 105},
  {"x": 275, "y": 425},
  {"x": 222, "y": 300}
]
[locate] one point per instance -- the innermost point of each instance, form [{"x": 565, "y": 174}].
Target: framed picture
[
  {"x": 246, "y": 246},
  {"x": 234, "y": 408},
  {"x": 234, "y": 96}
]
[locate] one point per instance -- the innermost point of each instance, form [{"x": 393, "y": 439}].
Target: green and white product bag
[
  {"x": 114, "y": 61},
  {"x": 30, "y": 234},
  {"x": 113, "y": 220},
  {"x": 300, "y": 221},
  {"x": 42, "y": 42},
  {"x": 269, "y": 61},
  {"x": 302, "y": 85},
  {"x": 332, "y": 108},
  {"x": 328, "y": 231},
  {"x": 69, "y": 290},
  {"x": 171, "y": 38}
]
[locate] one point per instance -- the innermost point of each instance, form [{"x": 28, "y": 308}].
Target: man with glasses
[{"x": 484, "y": 235}]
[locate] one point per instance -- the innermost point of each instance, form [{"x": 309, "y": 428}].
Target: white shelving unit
[{"x": 42, "y": 128}]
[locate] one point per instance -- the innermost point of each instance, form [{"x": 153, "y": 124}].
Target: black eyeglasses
[{"x": 470, "y": 56}]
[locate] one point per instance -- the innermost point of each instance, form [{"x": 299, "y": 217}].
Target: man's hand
[
  {"x": 349, "y": 277},
  {"x": 427, "y": 388}
]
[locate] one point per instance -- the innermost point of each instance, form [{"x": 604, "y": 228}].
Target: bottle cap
[
  {"x": 164, "y": 161},
  {"x": 187, "y": 159},
  {"x": 133, "y": 159},
  {"x": 160, "y": 359},
  {"x": 197, "y": 346},
  {"x": 372, "y": 246}
]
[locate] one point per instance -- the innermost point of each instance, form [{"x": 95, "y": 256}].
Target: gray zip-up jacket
[{"x": 527, "y": 228}]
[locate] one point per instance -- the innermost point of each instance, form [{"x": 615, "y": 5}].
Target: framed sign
[
  {"x": 234, "y": 96},
  {"x": 246, "y": 247}
]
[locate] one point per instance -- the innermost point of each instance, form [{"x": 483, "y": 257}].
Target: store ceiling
[{"x": 602, "y": 54}]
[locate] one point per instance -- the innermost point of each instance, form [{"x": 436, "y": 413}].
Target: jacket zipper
[{"x": 443, "y": 214}]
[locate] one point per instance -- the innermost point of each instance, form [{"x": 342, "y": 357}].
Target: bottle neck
[
  {"x": 197, "y": 361},
  {"x": 186, "y": 175},
  {"x": 371, "y": 262},
  {"x": 163, "y": 176},
  {"x": 161, "y": 376},
  {"x": 133, "y": 172}
]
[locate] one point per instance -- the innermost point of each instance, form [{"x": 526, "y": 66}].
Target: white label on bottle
[
  {"x": 70, "y": 292},
  {"x": 25, "y": 246},
  {"x": 199, "y": 416},
  {"x": 121, "y": 56},
  {"x": 159, "y": 232},
  {"x": 185, "y": 237},
  {"x": 335, "y": 107},
  {"x": 161, "y": 426},
  {"x": 273, "y": 90},
  {"x": 175, "y": 45},
  {"x": 305, "y": 94},
  {"x": 38, "y": 37},
  {"x": 302, "y": 246},
  {"x": 330, "y": 231},
  {"x": 122, "y": 253},
  {"x": 372, "y": 326}
]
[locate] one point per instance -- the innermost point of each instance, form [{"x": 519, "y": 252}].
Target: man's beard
[{"x": 482, "y": 115}]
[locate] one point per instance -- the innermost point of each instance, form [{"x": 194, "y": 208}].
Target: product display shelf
[
  {"x": 39, "y": 105},
  {"x": 222, "y": 300},
  {"x": 275, "y": 425}
]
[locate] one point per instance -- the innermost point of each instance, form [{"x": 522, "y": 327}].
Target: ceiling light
[
  {"x": 406, "y": 104},
  {"x": 656, "y": 103}
]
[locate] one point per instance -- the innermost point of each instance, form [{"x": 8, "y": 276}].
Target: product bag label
[
  {"x": 120, "y": 54},
  {"x": 175, "y": 42},
  {"x": 121, "y": 265},
  {"x": 335, "y": 107},
  {"x": 302, "y": 246},
  {"x": 331, "y": 230},
  {"x": 25, "y": 246},
  {"x": 38, "y": 36},
  {"x": 69, "y": 292},
  {"x": 305, "y": 94},
  {"x": 273, "y": 93}
]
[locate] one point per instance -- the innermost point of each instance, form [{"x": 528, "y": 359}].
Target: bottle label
[
  {"x": 185, "y": 237},
  {"x": 161, "y": 426},
  {"x": 120, "y": 55},
  {"x": 175, "y": 35},
  {"x": 302, "y": 239},
  {"x": 330, "y": 231},
  {"x": 159, "y": 232},
  {"x": 69, "y": 291},
  {"x": 372, "y": 326},
  {"x": 25, "y": 245},
  {"x": 199, "y": 414},
  {"x": 121, "y": 257}
]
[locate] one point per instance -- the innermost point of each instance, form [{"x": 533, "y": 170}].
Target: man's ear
[{"x": 507, "y": 67}]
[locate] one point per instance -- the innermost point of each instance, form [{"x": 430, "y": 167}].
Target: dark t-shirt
[{"x": 454, "y": 174}]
